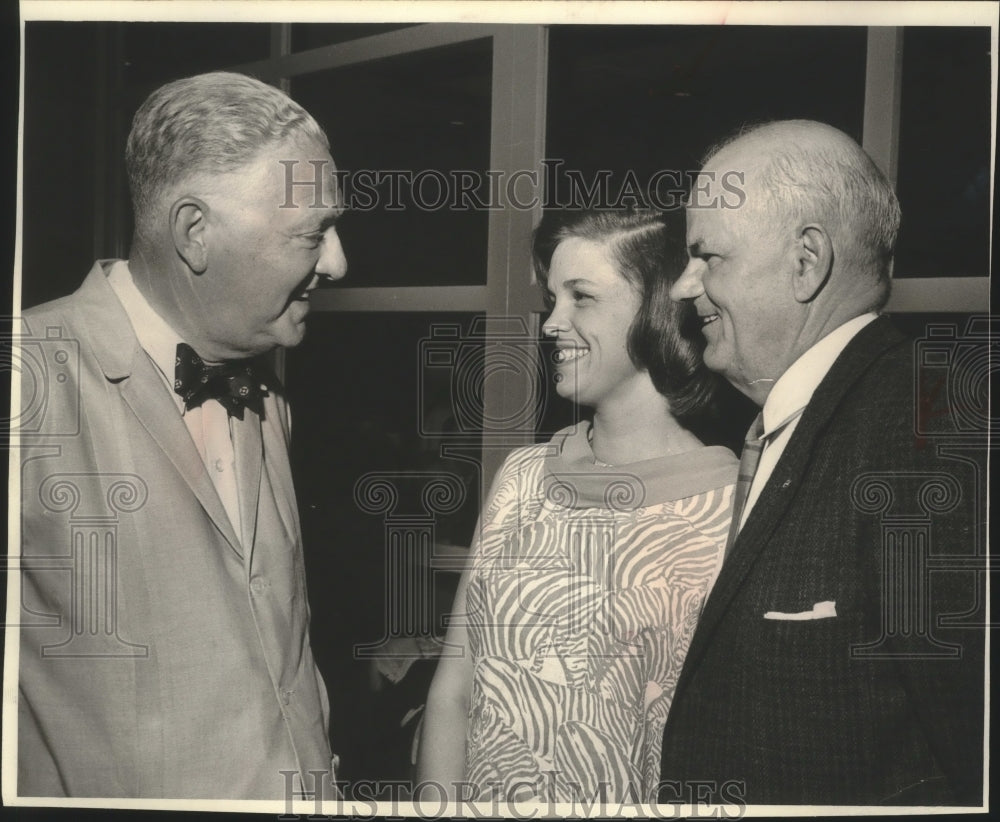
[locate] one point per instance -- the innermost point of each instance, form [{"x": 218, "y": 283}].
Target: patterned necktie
[
  {"x": 237, "y": 384},
  {"x": 753, "y": 447}
]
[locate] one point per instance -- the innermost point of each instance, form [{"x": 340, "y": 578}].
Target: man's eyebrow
[
  {"x": 308, "y": 228},
  {"x": 339, "y": 206},
  {"x": 326, "y": 222},
  {"x": 331, "y": 218}
]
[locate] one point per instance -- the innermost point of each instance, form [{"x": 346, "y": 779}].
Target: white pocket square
[{"x": 821, "y": 610}]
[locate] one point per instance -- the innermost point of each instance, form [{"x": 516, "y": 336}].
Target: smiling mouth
[
  {"x": 565, "y": 355},
  {"x": 707, "y": 319}
]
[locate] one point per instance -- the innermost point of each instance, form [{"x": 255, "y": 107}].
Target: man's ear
[
  {"x": 188, "y": 224},
  {"x": 814, "y": 264}
]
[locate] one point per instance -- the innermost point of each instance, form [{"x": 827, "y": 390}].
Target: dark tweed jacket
[{"x": 880, "y": 704}]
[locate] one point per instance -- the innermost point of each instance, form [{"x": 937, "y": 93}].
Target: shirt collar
[
  {"x": 155, "y": 335},
  {"x": 794, "y": 388}
]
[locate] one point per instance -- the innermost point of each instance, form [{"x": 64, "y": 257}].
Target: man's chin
[
  {"x": 292, "y": 325},
  {"x": 294, "y": 336}
]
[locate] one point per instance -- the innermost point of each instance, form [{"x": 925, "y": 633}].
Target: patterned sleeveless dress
[{"x": 585, "y": 588}]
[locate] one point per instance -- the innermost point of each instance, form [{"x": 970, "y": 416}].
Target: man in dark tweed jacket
[{"x": 839, "y": 658}]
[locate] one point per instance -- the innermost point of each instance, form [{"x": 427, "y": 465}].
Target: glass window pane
[
  {"x": 403, "y": 128},
  {"x": 944, "y": 153},
  {"x": 314, "y": 35},
  {"x": 60, "y": 174},
  {"x": 355, "y": 386},
  {"x": 364, "y": 399},
  {"x": 154, "y": 53},
  {"x": 652, "y": 98}
]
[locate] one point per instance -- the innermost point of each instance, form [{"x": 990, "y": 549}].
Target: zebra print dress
[{"x": 585, "y": 587}]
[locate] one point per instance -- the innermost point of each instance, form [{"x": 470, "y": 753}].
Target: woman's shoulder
[
  {"x": 536, "y": 454},
  {"x": 521, "y": 476},
  {"x": 692, "y": 474}
]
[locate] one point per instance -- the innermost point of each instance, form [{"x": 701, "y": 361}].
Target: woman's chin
[{"x": 566, "y": 388}]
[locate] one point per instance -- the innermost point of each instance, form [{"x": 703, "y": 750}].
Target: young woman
[{"x": 595, "y": 551}]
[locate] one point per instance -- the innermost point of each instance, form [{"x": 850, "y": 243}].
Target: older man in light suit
[
  {"x": 839, "y": 657},
  {"x": 164, "y": 647}
]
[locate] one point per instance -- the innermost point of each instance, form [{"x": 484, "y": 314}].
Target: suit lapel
[
  {"x": 767, "y": 513},
  {"x": 146, "y": 396},
  {"x": 112, "y": 340}
]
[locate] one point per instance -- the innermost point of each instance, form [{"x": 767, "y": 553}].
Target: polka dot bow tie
[{"x": 237, "y": 384}]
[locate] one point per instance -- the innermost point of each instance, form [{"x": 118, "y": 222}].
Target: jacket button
[{"x": 258, "y": 585}]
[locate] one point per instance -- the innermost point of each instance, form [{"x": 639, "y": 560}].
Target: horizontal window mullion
[
  {"x": 423, "y": 298},
  {"x": 366, "y": 49},
  {"x": 933, "y": 294}
]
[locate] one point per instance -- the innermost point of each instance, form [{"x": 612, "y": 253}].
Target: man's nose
[
  {"x": 332, "y": 263},
  {"x": 688, "y": 285}
]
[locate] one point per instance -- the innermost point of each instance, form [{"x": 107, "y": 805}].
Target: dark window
[
  {"x": 652, "y": 98},
  {"x": 363, "y": 402},
  {"x": 61, "y": 157},
  {"x": 315, "y": 35},
  {"x": 404, "y": 127},
  {"x": 944, "y": 153}
]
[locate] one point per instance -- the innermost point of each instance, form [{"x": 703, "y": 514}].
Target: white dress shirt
[
  {"x": 790, "y": 396},
  {"x": 209, "y": 423}
]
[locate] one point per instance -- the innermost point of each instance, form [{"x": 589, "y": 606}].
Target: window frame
[{"x": 517, "y": 141}]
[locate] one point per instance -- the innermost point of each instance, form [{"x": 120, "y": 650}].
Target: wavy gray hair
[{"x": 210, "y": 123}]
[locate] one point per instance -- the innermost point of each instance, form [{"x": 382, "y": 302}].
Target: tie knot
[{"x": 236, "y": 384}]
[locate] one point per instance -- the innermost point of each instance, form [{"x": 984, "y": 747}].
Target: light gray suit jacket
[{"x": 159, "y": 655}]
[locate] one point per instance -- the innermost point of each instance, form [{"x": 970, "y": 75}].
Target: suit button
[{"x": 258, "y": 585}]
